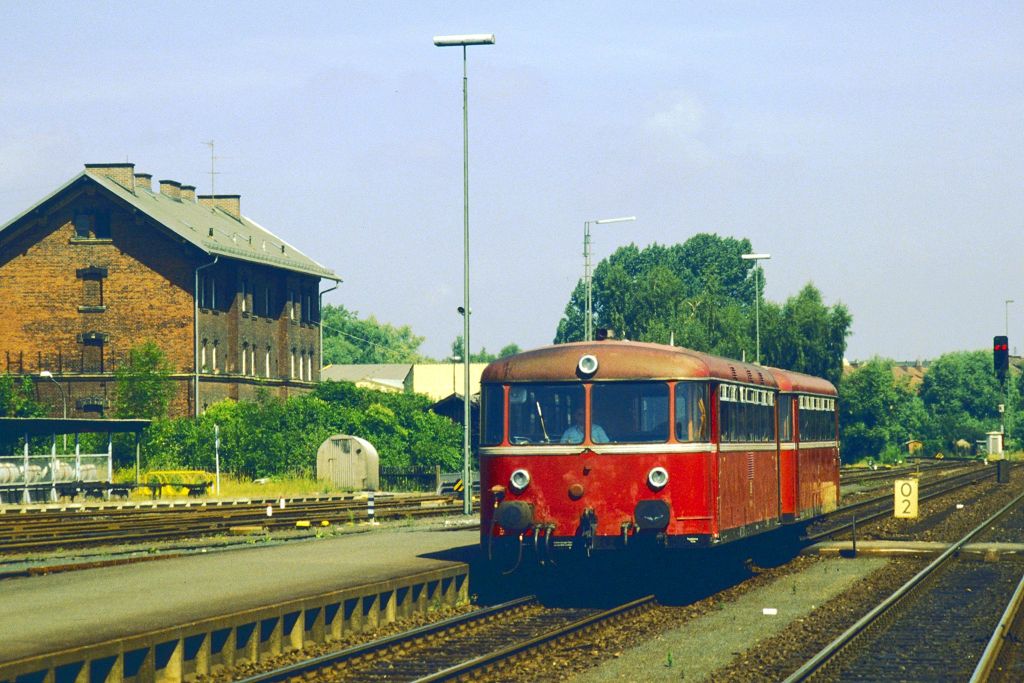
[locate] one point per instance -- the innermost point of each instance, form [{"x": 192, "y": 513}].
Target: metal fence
[{"x": 409, "y": 478}]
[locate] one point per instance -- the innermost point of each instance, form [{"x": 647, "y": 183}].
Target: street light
[
  {"x": 46, "y": 374},
  {"x": 587, "y": 278},
  {"x": 757, "y": 297},
  {"x": 465, "y": 41}
]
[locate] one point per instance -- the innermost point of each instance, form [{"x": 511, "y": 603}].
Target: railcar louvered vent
[
  {"x": 750, "y": 466},
  {"x": 750, "y": 377},
  {"x": 734, "y": 375}
]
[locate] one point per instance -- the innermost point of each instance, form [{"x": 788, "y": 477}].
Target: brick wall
[{"x": 75, "y": 306}]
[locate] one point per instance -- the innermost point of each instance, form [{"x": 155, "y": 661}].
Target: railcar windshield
[
  {"x": 693, "y": 423},
  {"x": 541, "y": 413},
  {"x": 629, "y": 412}
]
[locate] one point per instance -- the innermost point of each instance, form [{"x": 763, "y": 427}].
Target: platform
[{"x": 162, "y": 598}]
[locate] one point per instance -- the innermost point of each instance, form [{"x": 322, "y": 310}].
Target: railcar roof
[
  {"x": 791, "y": 381},
  {"x": 621, "y": 360}
]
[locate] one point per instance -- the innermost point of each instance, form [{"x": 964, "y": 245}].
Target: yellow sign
[
  {"x": 905, "y": 503},
  {"x": 458, "y": 485}
]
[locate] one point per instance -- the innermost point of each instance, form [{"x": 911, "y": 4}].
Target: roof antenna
[{"x": 213, "y": 170}]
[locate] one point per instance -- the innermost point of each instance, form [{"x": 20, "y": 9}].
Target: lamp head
[
  {"x": 463, "y": 40},
  {"x": 46, "y": 374}
]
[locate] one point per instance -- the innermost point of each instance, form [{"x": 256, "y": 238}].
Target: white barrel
[
  {"x": 63, "y": 471},
  {"x": 31, "y": 474},
  {"x": 8, "y": 473}
]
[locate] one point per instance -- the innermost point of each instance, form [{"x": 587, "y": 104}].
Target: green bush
[{"x": 271, "y": 437}]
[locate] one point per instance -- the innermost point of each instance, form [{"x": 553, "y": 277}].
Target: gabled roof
[{"x": 210, "y": 229}]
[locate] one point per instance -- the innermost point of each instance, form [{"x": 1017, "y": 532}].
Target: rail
[{"x": 819, "y": 660}]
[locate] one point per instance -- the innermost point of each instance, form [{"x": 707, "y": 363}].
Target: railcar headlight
[
  {"x": 657, "y": 478},
  {"x": 520, "y": 479},
  {"x": 587, "y": 364}
]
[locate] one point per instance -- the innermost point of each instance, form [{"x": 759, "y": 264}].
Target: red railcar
[{"x": 613, "y": 444}]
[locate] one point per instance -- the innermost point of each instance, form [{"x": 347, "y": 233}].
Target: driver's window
[{"x": 540, "y": 413}]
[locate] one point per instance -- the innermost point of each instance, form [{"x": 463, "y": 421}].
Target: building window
[
  {"x": 215, "y": 368},
  {"x": 302, "y": 365},
  {"x": 92, "y": 344},
  {"x": 202, "y": 357},
  {"x": 309, "y": 366},
  {"x": 291, "y": 371},
  {"x": 307, "y": 309},
  {"x": 267, "y": 364},
  {"x": 245, "y": 358},
  {"x": 291, "y": 305},
  {"x": 266, "y": 302},
  {"x": 244, "y": 303},
  {"x": 92, "y": 225},
  {"x": 92, "y": 289}
]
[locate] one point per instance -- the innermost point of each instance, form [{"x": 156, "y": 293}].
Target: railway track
[
  {"x": 937, "y": 625},
  {"x": 457, "y": 648},
  {"x": 78, "y": 527},
  {"x": 847, "y": 516}
]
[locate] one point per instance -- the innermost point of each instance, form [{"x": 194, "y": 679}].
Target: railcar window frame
[
  {"x": 817, "y": 418},
  {"x": 692, "y": 414},
  {"x": 531, "y": 425},
  {"x": 784, "y": 403},
  {"x": 492, "y": 410},
  {"x": 746, "y": 414},
  {"x": 648, "y": 412}
]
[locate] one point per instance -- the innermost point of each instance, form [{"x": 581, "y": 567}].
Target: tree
[
  {"x": 878, "y": 413},
  {"x": 348, "y": 339},
  {"x": 700, "y": 294},
  {"x": 144, "y": 387},
  {"x": 962, "y": 395},
  {"x": 17, "y": 398},
  {"x": 482, "y": 356},
  {"x": 688, "y": 292},
  {"x": 807, "y": 336}
]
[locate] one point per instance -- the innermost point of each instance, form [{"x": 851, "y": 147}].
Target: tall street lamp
[
  {"x": 587, "y": 278},
  {"x": 46, "y": 374},
  {"x": 757, "y": 297},
  {"x": 465, "y": 41}
]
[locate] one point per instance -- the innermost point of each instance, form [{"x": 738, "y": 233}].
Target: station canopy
[{"x": 35, "y": 426}]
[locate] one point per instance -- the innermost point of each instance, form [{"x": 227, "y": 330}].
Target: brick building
[{"x": 108, "y": 261}]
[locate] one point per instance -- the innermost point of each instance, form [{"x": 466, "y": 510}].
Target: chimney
[
  {"x": 231, "y": 203},
  {"x": 122, "y": 174},
  {"x": 144, "y": 180},
  {"x": 188, "y": 193},
  {"x": 171, "y": 188}
]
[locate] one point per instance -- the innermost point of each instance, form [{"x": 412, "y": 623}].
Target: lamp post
[
  {"x": 46, "y": 374},
  {"x": 465, "y": 41},
  {"x": 587, "y": 277},
  {"x": 757, "y": 297}
]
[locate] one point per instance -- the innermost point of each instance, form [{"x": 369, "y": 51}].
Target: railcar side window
[
  {"x": 693, "y": 423},
  {"x": 746, "y": 414},
  {"x": 786, "y": 418},
  {"x": 629, "y": 412},
  {"x": 540, "y": 413},
  {"x": 492, "y": 417},
  {"x": 817, "y": 418}
]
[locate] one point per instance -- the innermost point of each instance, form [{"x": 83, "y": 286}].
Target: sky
[{"x": 875, "y": 149}]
